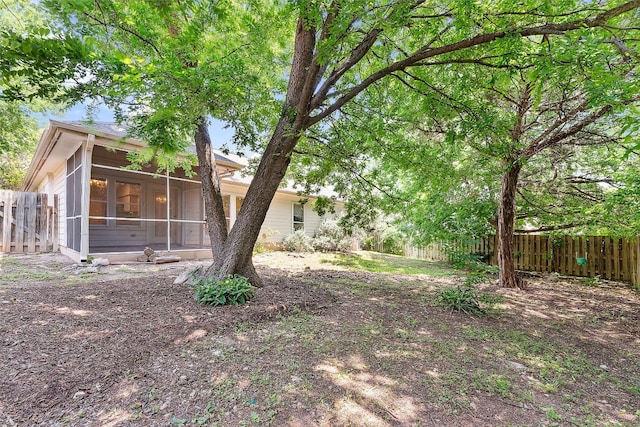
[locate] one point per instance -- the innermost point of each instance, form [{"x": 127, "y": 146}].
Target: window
[
  {"x": 298, "y": 217},
  {"x": 128, "y": 202},
  {"x": 98, "y": 201}
]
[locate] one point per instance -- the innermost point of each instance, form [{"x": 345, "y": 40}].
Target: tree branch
[
  {"x": 550, "y": 228},
  {"x": 126, "y": 30},
  {"x": 465, "y": 44}
]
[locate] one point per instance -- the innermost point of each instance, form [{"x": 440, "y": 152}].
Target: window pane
[
  {"x": 98, "y": 201},
  {"x": 298, "y": 213},
  {"x": 128, "y": 202},
  {"x": 298, "y": 217}
]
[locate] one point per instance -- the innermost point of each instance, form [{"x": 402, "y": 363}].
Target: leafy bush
[
  {"x": 232, "y": 290},
  {"x": 462, "y": 260},
  {"x": 369, "y": 243},
  {"x": 298, "y": 242},
  {"x": 467, "y": 300},
  {"x": 461, "y": 298},
  {"x": 330, "y": 237}
]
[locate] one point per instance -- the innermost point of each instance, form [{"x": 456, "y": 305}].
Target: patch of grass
[
  {"x": 555, "y": 365},
  {"x": 31, "y": 275},
  {"x": 494, "y": 384},
  {"x": 634, "y": 389},
  {"x": 590, "y": 281},
  {"x": 384, "y": 263},
  {"x": 552, "y": 415}
]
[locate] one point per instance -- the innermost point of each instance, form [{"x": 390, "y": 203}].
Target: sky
[{"x": 219, "y": 135}]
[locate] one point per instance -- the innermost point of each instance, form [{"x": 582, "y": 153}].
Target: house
[{"x": 108, "y": 211}]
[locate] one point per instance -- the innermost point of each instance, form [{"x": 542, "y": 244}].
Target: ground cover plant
[
  {"x": 320, "y": 344},
  {"x": 232, "y": 290}
]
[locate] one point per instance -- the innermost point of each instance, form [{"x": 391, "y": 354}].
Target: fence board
[
  {"x": 31, "y": 207},
  {"x": 616, "y": 259},
  {"x": 7, "y": 204},
  {"x": 28, "y": 222},
  {"x": 593, "y": 254},
  {"x": 19, "y": 221},
  {"x": 624, "y": 260}
]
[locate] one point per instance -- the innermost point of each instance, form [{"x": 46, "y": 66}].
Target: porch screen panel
[
  {"x": 73, "y": 198},
  {"x": 193, "y": 231}
]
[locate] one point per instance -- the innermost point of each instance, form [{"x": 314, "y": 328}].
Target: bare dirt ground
[{"x": 321, "y": 344}]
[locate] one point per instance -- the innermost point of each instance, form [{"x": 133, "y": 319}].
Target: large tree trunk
[
  {"x": 213, "y": 205},
  {"x": 238, "y": 247},
  {"x": 233, "y": 253},
  {"x": 506, "y": 223}
]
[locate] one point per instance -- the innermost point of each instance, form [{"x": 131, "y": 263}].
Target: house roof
[
  {"x": 62, "y": 138},
  {"x": 122, "y": 131}
]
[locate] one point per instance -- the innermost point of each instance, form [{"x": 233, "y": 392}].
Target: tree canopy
[
  {"x": 331, "y": 79},
  {"x": 19, "y": 129}
]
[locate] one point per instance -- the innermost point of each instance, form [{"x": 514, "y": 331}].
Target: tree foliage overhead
[
  {"x": 431, "y": 146},
  {"x": 19, "y": 129}
]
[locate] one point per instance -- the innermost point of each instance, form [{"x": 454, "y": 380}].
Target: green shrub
[
  {"x": 467, "y": 299},
  {"x": 330, "y": 237},
  {"x": 369, "y": 243},
  {"x": 461, "y": 298},
  {"x": 298, "y": 242},
  {"x": 386, "y": 238},
  {"x": 232, "y": 290},
  {"x": 462, "y": 260}
]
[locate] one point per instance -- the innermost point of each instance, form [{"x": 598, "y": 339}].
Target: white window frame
[{"x": 297, "y": 225}]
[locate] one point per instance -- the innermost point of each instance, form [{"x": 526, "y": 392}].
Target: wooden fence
[
  {"x": 27, "y": 222},
  {"x": 448, "y": 251},
  {"x": 583, "y": 256}
]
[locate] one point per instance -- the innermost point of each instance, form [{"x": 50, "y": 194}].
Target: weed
[
  {"x": 263, "y": 380},
  {"x": 410, "y": 321},
  {"x": 553, "y": 415},
  {"x": 590, "y": 281},
  {"x": 494, "y": 384},
  {"x": 403, "y": 334},
  {"x": 498, "y": 384},
  {"x": 634, "y": 389},
  {"x": 203, "y": 419},
  {"x": 233, "y": 290}
]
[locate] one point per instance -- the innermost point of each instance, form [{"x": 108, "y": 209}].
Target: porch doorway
[{"x": 157, "y": 231}]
